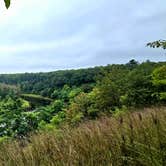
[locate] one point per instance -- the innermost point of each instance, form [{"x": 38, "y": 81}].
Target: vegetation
[
  {"x": 131, "y": 139},
  {"x": 112, "y": 116},
  {"x": 7, "y": 3},
  {"x": 72, "y": 115},
  {"x": 38, "y": 101},
  {"x": 157, "y": 44},
  {"x": 50, "y": 84}
]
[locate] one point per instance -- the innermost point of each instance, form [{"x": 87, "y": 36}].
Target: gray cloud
[{"x": 64, "y": 34}]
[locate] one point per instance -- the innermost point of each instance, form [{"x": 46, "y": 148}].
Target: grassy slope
[
  {"x": 134, "y": 139},
  {"x": 36, "y": 100}
]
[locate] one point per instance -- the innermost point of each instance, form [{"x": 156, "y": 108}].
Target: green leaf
[{"x": 7, "y": 3}]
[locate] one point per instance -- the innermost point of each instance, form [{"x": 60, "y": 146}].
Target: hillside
[
  {"x": 85, "y": 117},
  {"x": 82, "y": 83},
  {"x": 45, "y": 83},
  {"x": 39, "y": 101}
]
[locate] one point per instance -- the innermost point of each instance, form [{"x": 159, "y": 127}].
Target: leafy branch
[
  {"x": 157, "y": 44},
  {"x": 7, "y": 3}
]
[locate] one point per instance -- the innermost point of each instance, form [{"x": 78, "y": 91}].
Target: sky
[{"x": 49, "y": 35}]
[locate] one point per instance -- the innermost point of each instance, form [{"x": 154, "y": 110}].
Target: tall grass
[{"x": 133, "y": 139}]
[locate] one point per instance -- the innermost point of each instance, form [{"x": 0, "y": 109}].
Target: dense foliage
[
  {"x": 43, "y": 101},
  {"x": 131, "y": 139},
  {"x": 46, "y": 83}
]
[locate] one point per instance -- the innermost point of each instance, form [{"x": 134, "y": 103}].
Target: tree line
[{"x": 41, "y": 101}]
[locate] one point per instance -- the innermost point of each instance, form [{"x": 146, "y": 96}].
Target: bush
[{"x": 58, "y": 119}]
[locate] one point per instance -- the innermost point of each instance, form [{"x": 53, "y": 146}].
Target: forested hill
[
  {"x": 34, "y": 101},
  {"x": 45, "y": 83}
]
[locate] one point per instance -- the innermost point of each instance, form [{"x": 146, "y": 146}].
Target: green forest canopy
[{"x": 34, "y": 101}]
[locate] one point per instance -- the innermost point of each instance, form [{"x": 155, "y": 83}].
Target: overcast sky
[{"x": 50, "y": 35}]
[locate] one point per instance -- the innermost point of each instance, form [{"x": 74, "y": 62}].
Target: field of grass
[
  {"x": 133, "y": 139},
  {"x": 36, "y": 100}
]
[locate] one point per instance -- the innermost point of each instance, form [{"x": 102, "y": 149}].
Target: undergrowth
[{"x": 132, "y": 139}]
